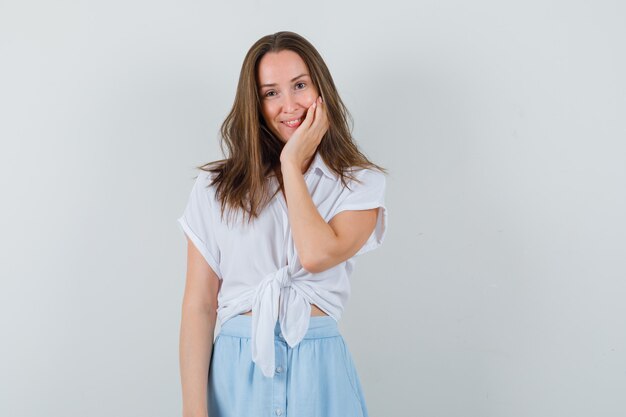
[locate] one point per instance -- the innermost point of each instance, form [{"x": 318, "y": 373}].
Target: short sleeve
[
  {"x": 198, "y": 222},
  {"x": 370, "y": 193}
]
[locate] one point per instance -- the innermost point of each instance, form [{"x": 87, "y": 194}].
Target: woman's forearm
[
  {"x": 196, "y": 346},
  {"x": 312, "y": 236}
]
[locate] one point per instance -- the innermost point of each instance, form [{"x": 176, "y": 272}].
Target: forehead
[{"x": 280, "y": 67}]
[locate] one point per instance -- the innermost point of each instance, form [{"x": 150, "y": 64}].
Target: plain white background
[{"x": 500, "y": 288}]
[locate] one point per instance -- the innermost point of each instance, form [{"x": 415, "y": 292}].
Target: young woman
[{"x": 272, "y": 233}]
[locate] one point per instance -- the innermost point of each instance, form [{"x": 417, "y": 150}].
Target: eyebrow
[{"x": 292, "y": 80}]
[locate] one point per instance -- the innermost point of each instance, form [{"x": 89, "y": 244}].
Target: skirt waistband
[{"x": 319, "y": 327}]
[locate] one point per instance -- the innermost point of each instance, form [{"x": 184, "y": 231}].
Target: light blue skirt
[{"x": 316, "y": 378}]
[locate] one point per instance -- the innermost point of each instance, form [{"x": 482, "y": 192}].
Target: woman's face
[{"x": 286, "y": 91}]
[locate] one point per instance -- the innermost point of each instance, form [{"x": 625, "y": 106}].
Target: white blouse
[{"x": 258, "y": 265}]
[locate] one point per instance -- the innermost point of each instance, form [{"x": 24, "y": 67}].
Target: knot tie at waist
[
  {"x": 282, "y": 277},
  {"x": 277, "y": 292}
]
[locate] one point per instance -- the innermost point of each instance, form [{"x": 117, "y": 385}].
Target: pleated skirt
[{"x": 316, "y": 378}]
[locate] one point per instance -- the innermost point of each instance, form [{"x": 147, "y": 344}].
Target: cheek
[
  {"x": 267, "y": 113},
  {"x": 310, "y": 99}
]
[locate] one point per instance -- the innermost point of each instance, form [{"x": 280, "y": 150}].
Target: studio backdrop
[{"x": 499, "y": 290}]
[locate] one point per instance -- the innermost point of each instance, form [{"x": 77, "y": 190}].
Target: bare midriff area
[{"x": 315, "y": 311}]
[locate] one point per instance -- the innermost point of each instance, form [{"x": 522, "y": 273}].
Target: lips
[{"x": 293, "y": 123}]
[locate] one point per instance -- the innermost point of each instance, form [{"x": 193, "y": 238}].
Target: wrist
[{"x": 288, "y": 165}]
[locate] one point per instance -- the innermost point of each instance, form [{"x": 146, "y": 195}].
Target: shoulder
[
  {"x": 205, "y": 178},
  {"x": 367, "y": 178},
  {"x": 203, "y": 186}
]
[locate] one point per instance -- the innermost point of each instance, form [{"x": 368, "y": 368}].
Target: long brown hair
[{"x": 253, "y": 151}]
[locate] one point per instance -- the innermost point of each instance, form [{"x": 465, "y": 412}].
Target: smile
[{"x": 293, "y": 123}]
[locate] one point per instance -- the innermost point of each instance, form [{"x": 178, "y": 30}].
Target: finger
[
  {"x": 324, "y": 110},
  {"x": 319, "y": 111},
  {"x": 321, "y": 119},
  {"x": 320, "y": 124},
  {"x": 310, "y": 115}
]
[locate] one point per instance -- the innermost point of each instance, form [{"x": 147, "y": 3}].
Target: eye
[
  {"x": 268, "y": 93},
  {"x": 300, "y": 84}
]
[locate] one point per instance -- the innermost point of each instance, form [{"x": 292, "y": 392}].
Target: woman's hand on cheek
[{"x": 304, "y": 141}]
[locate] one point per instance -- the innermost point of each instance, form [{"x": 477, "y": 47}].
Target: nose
[{"x": 289, "y": 103}]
